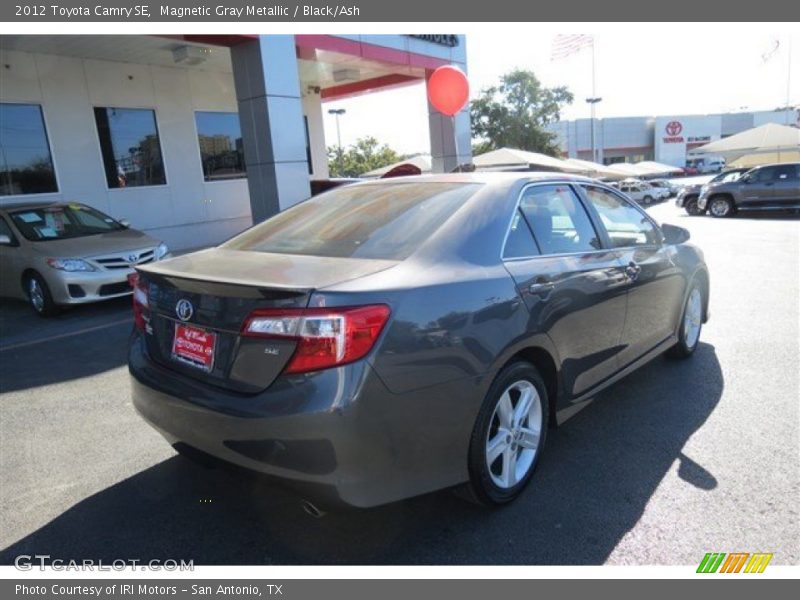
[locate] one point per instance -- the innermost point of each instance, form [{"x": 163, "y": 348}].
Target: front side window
[
  {"x": 221, "y": 152},
  {"x": 625, "y": 224},
  {"x": 130, "y": 147},
  {"x": 26, "y": 166},
  {"x": 378, "y": 221},
  {"x": 6, "y": 230},
  {"x": 60, "y": 222},
  {"x": 559, "y": 222}
]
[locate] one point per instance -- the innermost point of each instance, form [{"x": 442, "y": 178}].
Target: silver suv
[{"x": 769, "y": 187}]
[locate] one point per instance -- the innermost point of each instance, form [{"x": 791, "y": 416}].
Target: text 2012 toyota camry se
[{"x": 391, "y": 338}]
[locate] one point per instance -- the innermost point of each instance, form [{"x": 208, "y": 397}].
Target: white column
[
  {"x": 312, "y": 109},
  {"x": 271, "y": 115}
]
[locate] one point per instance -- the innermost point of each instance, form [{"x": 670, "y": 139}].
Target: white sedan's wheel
[{"x": 513, "y": 437}]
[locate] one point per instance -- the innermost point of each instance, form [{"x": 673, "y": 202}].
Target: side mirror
[
  {"x": 125, "y": 223},
  {"x": 5, "y": 240},
  {"x": 674, "y": 234}
]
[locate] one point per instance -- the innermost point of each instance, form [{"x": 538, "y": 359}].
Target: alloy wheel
[
  {"x": 514, "y": 432},
  {"x": 36, "y": 294},
  {"x": 693, "y": 318},
  {"x": 720, "y": 207}
]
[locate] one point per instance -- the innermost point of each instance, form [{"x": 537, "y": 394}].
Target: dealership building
[
  {"x": 192, "y": 138},
  {"x": 667, "y": 139}
]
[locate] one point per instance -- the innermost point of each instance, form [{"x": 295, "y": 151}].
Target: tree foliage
[
  {"x": 515, "y": 114},
  {"x": 363, "y": 156}
]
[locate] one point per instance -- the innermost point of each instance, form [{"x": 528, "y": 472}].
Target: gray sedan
[{"x": 395, "y": 337}]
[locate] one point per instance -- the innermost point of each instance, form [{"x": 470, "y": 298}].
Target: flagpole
[
  {"x": 594, "y": 95},
  {"x": 789, "y": 81},
  {"x": 592, "y": 101}
]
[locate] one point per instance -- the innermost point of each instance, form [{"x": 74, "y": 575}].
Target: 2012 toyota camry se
[{"x": 391, "y": 338}]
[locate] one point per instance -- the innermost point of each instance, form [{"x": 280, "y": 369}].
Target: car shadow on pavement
[
  {"x": 595, "y": 479},
  {"x": 81, "y": 341}
]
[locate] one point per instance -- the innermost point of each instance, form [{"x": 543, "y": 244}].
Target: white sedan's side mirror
[{"x": 125, "y": 223}]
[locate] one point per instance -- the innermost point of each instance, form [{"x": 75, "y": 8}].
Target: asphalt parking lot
[{"x": 679, "y": 459}]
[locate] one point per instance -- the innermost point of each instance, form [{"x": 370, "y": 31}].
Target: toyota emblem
[
  {"x": 674, "y": 128},
  {"x": 132, "y": 258},
  {"x": 184, "y": 310}
]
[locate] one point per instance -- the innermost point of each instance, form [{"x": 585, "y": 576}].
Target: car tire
[
  {"x": 691, "y": 324},
  {"x": 39, "y": 297},
  {"x": 692, "y": 208},
  {"x": 720, "y": 207},
  {"x": 647, "y": 199},
  {"x": 511, "y": 433}
]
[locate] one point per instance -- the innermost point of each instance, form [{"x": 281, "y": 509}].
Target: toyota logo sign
[
  {"x": 184, "y": 310},
  {"x": 674, "y": 128}
]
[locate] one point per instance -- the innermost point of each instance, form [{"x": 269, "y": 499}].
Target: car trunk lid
[{"x": 222, "y": 287}]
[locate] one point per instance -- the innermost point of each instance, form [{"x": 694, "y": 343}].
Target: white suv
[{"x": 639, "y": 191}]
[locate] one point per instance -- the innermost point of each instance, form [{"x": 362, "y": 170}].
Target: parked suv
[
  {"x": 689, "y": 194},
  {"x": 771, "y": 187}
]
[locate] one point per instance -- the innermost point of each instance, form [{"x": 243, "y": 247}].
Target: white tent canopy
[
  {"x": 657, "y": 168},
  {"x": 766, "y": 158},
  {"x": 423, "y": 162},
  {"x": 510, "y": 157},
  {"x": 769, "y": 138},
  {"x": 629, "y": 170},
  {"x": 593, "y": 169}
]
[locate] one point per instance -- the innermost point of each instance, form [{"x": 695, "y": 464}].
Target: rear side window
[
  {"x": 520, "y": 242},
  {"x": 379, "y": 221},
  {"x": 786, "y": 172},
  {"x": 625, "y": 224},
  {"x": 558, "y": 220}
]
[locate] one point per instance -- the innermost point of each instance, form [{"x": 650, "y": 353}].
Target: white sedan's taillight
[{"x": 326, "y": 337}]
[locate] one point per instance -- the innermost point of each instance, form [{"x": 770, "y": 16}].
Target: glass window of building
[
  {"x": 130, "y": 147},
  {"x": 221, "y": 151},
  {"x": 26, "y": 166}
]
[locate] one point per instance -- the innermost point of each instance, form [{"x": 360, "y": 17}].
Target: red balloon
[{"x": 448, "y": 90}]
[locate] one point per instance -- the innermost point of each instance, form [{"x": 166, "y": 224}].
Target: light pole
[
  {"x": 337, "y": 112},
  {"x": 592, "y": 101}
]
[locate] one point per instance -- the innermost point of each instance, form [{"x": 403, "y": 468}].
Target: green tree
[
  {"x": 363, "y": 156},
  {"x": 515, "y": 114}
]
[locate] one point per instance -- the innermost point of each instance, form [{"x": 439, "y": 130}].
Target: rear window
[{"x": 384, "y": 221}]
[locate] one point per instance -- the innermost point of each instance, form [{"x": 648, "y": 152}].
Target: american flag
[{"x": 567, "y": 44}]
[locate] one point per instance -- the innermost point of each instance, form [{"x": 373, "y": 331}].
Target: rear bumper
[{"x": 337, "y": 436}]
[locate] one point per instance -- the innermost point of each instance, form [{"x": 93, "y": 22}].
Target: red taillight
[
  {"x": 140, "y": 299},
  {"x": 326, "y": 337}
]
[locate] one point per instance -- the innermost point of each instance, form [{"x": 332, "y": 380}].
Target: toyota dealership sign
[{"x": 673, "y": 130}]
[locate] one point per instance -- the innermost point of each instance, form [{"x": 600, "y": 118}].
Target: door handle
[
  {"x": 541, "y": 288},
  {"x": 633, "y": 270}
]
